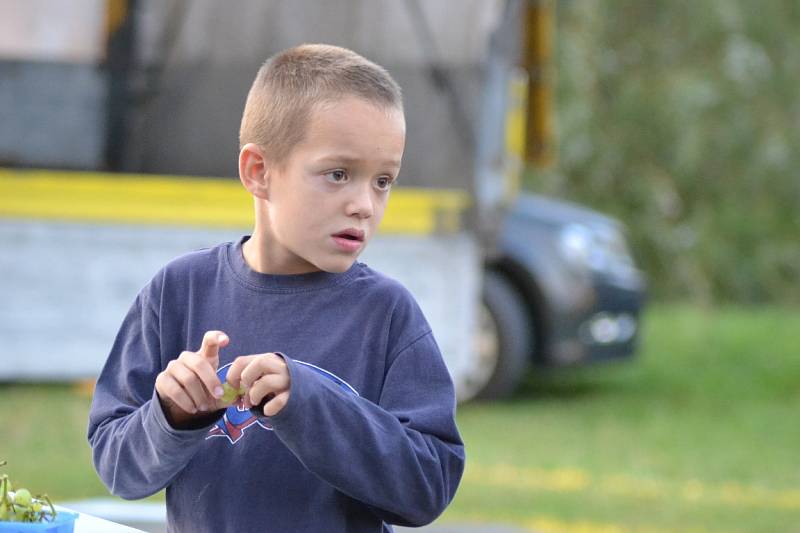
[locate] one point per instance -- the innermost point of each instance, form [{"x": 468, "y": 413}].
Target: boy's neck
[{"x": 255, "y": 253}]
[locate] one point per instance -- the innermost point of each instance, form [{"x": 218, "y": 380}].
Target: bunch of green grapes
[{"x": 20, "y": 506}]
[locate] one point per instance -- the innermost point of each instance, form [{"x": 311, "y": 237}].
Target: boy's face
[{"x": 327, "y": 200}]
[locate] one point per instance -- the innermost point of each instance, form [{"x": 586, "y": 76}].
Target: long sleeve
[
  {"x": 403, "y": 457},
  {"x": 135, "y": 451}
]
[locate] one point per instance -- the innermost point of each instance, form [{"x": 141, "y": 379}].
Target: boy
[{"x": 344, "y": 419}]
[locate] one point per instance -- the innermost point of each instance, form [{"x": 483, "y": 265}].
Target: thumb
[{"x": 212, "y": 342}]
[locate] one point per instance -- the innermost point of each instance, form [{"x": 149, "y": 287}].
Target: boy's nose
[{"x": 360, "y": 204}]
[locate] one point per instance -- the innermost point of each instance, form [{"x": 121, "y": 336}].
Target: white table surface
[{"x": 87, "y": 523}]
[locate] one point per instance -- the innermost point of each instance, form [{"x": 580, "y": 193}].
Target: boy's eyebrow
[{"x": 393, "y": 163}]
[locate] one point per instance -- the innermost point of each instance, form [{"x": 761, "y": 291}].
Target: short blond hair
[{"x": 291, "y": 83}]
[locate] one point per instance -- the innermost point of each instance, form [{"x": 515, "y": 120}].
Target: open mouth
[
  {"x": 349, "y": 240},
  {"x": 351, "y": 235}
]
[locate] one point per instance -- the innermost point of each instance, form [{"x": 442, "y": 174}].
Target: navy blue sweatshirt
[{"x": 367, "y": 439}]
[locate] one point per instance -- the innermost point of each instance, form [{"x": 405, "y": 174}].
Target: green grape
[
  {"x": 229, "y": 394},
  {"x": 21, "y": 506},
  {"x": 22, "y": 498}
]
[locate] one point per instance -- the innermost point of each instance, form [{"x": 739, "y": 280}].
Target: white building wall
[{"x": 52, "y": 30}]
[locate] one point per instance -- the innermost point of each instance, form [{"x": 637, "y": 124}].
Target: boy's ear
[{"x": 253, "y": 171}]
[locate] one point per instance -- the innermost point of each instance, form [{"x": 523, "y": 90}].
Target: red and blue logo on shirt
[{"x": 237, "y": 418}]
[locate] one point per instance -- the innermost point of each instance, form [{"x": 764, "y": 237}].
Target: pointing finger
[{"x": 212, "y": 342}]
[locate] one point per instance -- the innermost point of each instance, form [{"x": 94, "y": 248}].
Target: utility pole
[{"x": 537, "y": 59}]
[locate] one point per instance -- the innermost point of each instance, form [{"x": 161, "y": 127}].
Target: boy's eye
[
  {"x": 336, "y": 176},
  {"x": 384, "y": 183}
]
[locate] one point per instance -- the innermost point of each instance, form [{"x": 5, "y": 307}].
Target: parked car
[{"x": 563, "y": 290}]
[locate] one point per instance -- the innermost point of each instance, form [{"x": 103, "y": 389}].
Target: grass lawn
[{"x": 700, "y": 433}]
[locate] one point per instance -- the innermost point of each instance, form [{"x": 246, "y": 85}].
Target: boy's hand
[
  {"x": 261, "y": 375},
  {"x": 189, "y": 386}
]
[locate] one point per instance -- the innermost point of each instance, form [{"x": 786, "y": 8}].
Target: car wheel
[{"x": 502, "y": 342}]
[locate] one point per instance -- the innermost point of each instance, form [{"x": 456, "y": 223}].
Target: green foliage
[{"x": 681, "y": 118}]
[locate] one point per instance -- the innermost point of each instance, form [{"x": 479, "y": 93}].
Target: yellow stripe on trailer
[{"x": 191, "y": 201}]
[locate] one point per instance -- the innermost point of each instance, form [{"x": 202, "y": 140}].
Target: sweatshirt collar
[{"x": 284, "y": 282}]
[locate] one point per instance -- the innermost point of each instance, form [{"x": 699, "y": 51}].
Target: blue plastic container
[{"x": 63, "y": 523}]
